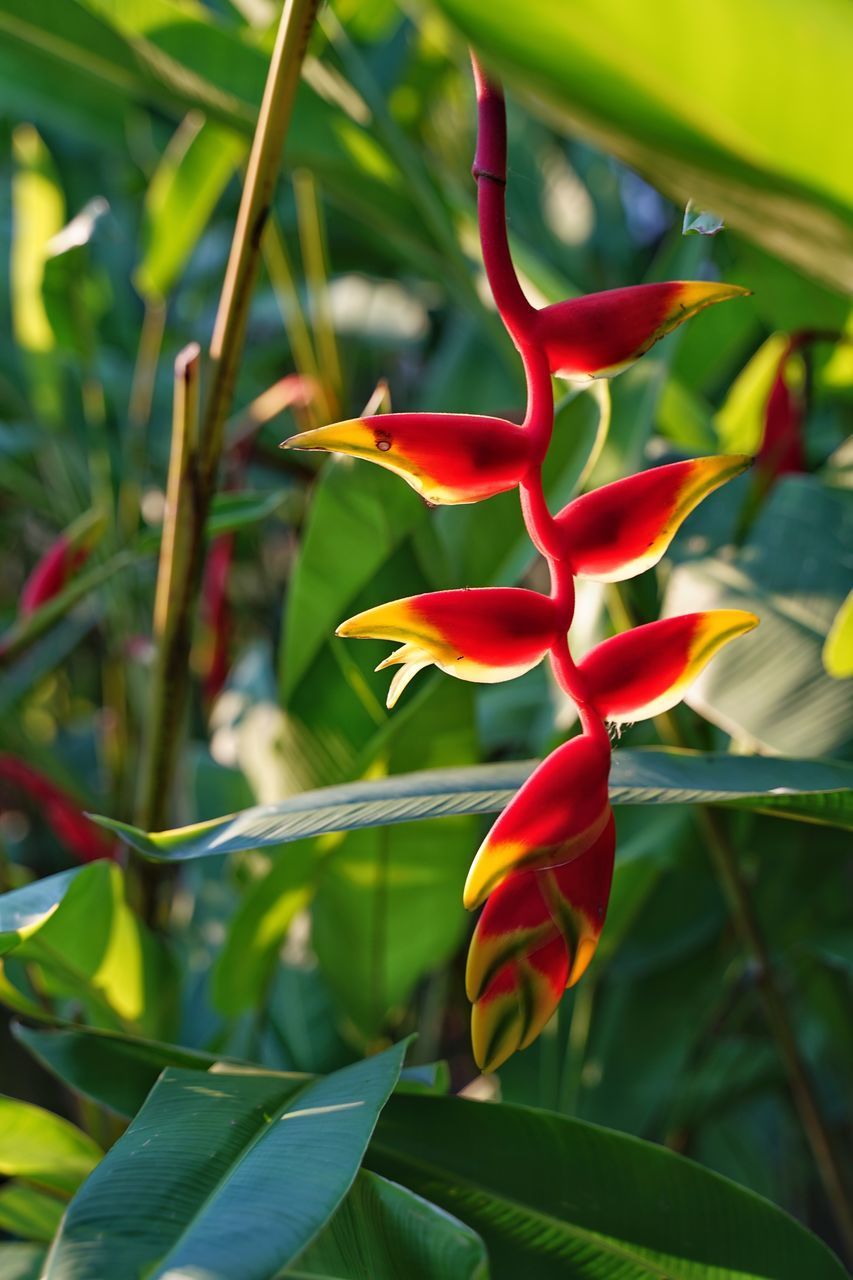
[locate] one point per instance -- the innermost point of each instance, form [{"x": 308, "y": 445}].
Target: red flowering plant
[{"x": 545, "y": 868}]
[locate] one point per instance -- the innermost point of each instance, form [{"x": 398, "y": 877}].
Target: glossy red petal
[
  {"x": 623, "y": 528},
  {"x": 557, "y": 815},
  {"x": 446, "y": 457},
  {"x": 602, "y": 333},
  {"x": 647, "y": 670}
]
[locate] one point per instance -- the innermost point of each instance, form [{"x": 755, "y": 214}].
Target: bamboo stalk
[{"x": 182, "y": 557}]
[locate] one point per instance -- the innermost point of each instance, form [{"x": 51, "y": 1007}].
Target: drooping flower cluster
[{"x": 545, "y": 868}]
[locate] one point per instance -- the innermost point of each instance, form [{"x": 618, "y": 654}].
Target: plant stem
[
  {"x": 736, "y": 892},
  {"x": 779, "y": 1020},
  {"x": 176, "y": 604},
  {"x": 226, "y": 347}
]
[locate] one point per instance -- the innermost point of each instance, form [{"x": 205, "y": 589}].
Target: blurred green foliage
[{"x": 126, "y": 127}]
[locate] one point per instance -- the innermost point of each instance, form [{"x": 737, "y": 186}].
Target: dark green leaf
[
  {"x": 384, "y": 1232},
  {"x": 225, "y": 1175},
  {"x": 554, "y": 1197}
]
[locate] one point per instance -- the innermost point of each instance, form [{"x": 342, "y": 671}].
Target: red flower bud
[
  {"x": 446, "y": 457},
  {"x": 486, "y": 634},
  {"x": 60, "y": 562},
  {"x": 782, "y": 448},
  {"x": 61, "y": 812},
  {"x": 535, "y": 937},
  {"x": 645, "y": 671},
  {"x": 601, "y": 334},
  {"x": 623, "y": 528},
  {"x": 556, "y": 816}
]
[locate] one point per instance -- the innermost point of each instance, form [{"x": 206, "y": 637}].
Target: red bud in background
[
  {"x": 59, "y": 810},
  {"x": 60, "y": 562}
]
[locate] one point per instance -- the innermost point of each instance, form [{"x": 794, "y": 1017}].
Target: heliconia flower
[
  {"x": 782, "y": 448},
  {"x": 645, "y": 671},
  {"x": 624, "y": 528},
  {"x": 536, "y": 936},
  {"x": 559, "y": 813},
  {"x": 484, "y": 634},
  {"x": 61, "y": 561},
  {"x": 601, "y": 334},
  {"x": 446, "y": 457},
  {"x": 60, "y": 810}
]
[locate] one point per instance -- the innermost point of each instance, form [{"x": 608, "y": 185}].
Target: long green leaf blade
[
  {"x": 554, "y": 1197},
  {"x": 813, "y": 790}
]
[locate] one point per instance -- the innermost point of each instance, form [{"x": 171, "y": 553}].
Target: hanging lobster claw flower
[
  {"x": 645, "y": 671},
  {"x": 59, "y": 810},
  {"x": 61, "y": 561},
  {"x": 484, "y": 634},
  {"x": 556, "y": 816},
  {"x": 624, "y": 528},
  {"x": 536, "y": 936},
  {"x": 600, "y": 334},
  {"x": 446, "y": 457}
]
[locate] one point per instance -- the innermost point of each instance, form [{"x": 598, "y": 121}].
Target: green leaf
[
  {"x": 245, "y": 964},
  {"x": 700, "y": 114},
  {"x": 116, "y": 1070},
  {"x": 838, "y": 650},
  {"x": 700, "y": 222},
  {"x": 228, "y": 513},
  {"x": 226, "y": 1175},
  {"x": 192, "y": 174},
  {"x": 28, "y": 1213},
  {"x": 814, "y": 790},
  {"x": 91, "y": 948},
  {"x": 770, "y": 689},
  {"x": 21, "y": 1261},
  {"x": 359, "y": 516},
  {"x": 386, "y": 1232},
  {"x": 41, "y": 1147},
  {"x": 25, "y": 910},
  {"x": 553, "y": 1197}
]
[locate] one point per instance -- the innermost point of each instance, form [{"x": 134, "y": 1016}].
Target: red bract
[
  {"x": 535, "y": 937},
  {"x": 446, "y": 457},
  {"x": 59, "y": 810},
  {"x": 60, "y": 562},
  {"x": 486, "y": 635},
  {"x": 560, "y": 811},
  {"x": 603, "y": 333},
  {"x": 647, "y": 670},
  {"x": 625, "y": 527}
]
